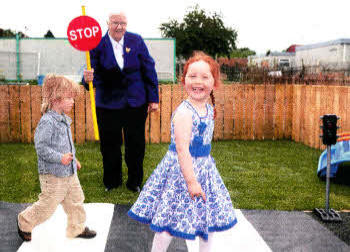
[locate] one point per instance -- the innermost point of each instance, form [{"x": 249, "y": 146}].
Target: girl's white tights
[
  {"x": 205, "y": 246},
  {"x": 162, "y": 240}
]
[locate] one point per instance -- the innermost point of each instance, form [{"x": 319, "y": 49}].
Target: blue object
[
  {"x": 340, "y": 153},
  {"x": 40, "y": 79},
  {"x": 134, "y": 85},
  {"x": 165, "y": 202}
]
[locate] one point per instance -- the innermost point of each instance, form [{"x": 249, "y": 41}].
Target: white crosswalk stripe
[
  {"x": 50, "y": 236},
  {"x": 242, "y": 237}
]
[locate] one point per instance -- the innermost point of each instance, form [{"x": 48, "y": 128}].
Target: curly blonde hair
[{"x": 55, "y": 88}]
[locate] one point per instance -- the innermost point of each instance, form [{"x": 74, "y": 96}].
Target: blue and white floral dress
[{"x": 165, "y": 202}]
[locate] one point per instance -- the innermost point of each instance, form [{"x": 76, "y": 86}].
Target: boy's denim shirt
[{"x": 52, "y": 139}]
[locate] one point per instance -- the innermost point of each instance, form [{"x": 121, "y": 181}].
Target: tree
[
  {"x": 242, "y": 53},
  {"x": 200, "y": 31},
  {"x": 11, "y": 34},
  {"x": 49, "y": 34}
]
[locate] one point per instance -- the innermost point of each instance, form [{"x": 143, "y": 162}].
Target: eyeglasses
[{"x": 123, "y": 24}]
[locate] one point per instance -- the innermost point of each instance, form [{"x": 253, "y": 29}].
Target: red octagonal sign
[{"x": 84, "y": 33}]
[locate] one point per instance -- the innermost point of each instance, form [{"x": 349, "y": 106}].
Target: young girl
[
  {"x": 185, "y": 195},
  {"x": 57, "y": 163}
]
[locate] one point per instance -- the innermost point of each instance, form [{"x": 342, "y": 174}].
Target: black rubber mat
[
  {"x": 9, "y": 239},
  {"x": 281, "y": 230},
  {"x": 126, "y": 234},
  {"x": 294, "y": 231}
]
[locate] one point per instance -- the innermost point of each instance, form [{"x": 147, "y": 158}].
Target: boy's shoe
[
  {"x": 26, "y": 236},
  {"x": 87, "y": 234}
]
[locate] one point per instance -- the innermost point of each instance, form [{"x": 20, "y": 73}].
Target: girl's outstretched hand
[{"x": 195, "y": 190}]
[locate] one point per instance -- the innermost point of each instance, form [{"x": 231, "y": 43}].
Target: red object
[
  {"x": 292, "y": 48},
  {"x": 84, "y": 33},
  {"x": 344, "y": 137}
]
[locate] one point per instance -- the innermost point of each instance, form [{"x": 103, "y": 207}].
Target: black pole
[
  {"x": 329, "y": 138},
  {"x": 328, "y": 176}
]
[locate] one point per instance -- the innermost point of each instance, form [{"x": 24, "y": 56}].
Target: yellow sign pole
[{"x": 91, "y": 91}]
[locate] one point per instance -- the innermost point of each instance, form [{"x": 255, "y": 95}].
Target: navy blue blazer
[{"x": 133, "y": 86}]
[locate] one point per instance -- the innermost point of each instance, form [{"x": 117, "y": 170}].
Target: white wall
[
  {"x": 42, "y": 56},
  {"x": 272, "y": 60},
  {"x": 330, "y": 55}
]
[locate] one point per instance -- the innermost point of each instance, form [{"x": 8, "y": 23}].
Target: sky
[{"x": 261, "y": 25}]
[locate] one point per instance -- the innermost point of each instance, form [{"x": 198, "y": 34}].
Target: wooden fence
[{"x": 247, "y": 112}]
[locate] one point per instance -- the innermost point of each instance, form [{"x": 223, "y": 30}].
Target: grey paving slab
[
  {"x": 126, "y": 234},
  {"x": 9, "y": 239},
  {"x": 294, "y": 231}
]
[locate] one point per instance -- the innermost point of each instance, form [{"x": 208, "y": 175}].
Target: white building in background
[
  {"x": 330, "y": 55},
  {"x": 275, "y": 60}
]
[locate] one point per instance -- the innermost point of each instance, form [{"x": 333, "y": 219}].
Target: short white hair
[{"x": 117, "y": 13}]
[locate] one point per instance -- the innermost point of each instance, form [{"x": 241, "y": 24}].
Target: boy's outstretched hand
[
  {"x": 78, "y": 164},
  {"x": 67, "y": 158}
]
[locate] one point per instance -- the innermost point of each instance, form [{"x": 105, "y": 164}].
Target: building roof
[
  {"x": 342, "y": 41},
  {"x": 292, "y": 48},
  {"x": 272, "y": 54},
  {"x": 282, "y": 54}
]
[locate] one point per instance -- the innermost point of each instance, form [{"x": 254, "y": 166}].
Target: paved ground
[
  {"x": 256, "y": 231},
  {"x": 340, "y": 229}
]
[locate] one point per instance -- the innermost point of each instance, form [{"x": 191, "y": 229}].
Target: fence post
[{"x": 17, "y": 54}]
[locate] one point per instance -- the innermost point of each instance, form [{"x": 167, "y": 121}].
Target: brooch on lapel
[{"x": 127, "y": 49}]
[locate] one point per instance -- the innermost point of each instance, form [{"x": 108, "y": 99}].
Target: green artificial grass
[{"x": 278, "y": 175}]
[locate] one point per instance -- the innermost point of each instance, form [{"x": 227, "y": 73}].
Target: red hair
[
  {"x": 214, "y": 69},
  {"x": 213, "y": 65}
]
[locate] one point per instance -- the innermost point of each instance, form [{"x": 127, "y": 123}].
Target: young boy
[{"x": 57, "y": 163}]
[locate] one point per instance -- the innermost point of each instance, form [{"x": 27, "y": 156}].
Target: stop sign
[{"x": 84, "y": 33}]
